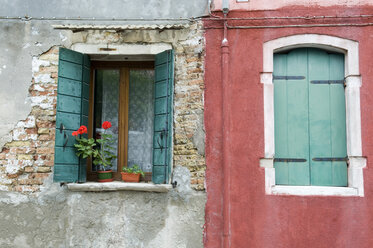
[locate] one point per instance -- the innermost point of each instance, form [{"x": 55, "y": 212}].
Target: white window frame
[{"x": 356, "y": 162}]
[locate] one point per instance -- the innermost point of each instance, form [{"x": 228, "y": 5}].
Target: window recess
[{"x": 136, "y": 97}]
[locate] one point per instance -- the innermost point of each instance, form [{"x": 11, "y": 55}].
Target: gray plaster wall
[
  {"x": 104, "y": 9},
  {"x": 126, "y": 219}
]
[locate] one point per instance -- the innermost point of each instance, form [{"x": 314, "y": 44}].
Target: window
[
  {"x": 136, "y": 97},
  {"x": 355, "y": 161},
  {"x": 310, "y": 122}
]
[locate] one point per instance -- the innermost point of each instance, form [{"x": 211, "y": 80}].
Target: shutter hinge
[
  {"x": 297, "y": 160},
  {"x": 288, "y": 77}
]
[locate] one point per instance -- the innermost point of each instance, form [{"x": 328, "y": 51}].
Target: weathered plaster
[
  {"x": 22, "y": 42},
  {"x": 61, "y": 218},
  {"x": 144, "y": 9}
]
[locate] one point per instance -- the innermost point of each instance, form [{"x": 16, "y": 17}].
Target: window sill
[
  {"x": 119, "y": 186},
  {"x": 313, "y": 191}
]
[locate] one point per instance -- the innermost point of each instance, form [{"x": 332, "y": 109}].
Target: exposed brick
[
  {"x": 44, "y": 169},
  {"x": 24, "y": 157},
  {"x": 43, "y": 130},
  {"x": 45, "y": 150},
  {"x": 29, "y": 169},
  {"x": 34, "y": 181},
  {"x": 19, "y": 143},
  {"x": 38, "y": 175}
]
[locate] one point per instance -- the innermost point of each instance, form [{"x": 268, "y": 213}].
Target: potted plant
[
  {"x": 132, "y": 174},
  {"x": 99, "y": 149}
]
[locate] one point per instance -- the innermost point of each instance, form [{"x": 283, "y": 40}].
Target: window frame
[
  {"x": 124, "y": 68},
  {"x": 356, "y": 162}
]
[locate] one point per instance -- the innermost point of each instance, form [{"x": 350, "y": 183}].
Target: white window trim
[{"x": 353, "y": 123}]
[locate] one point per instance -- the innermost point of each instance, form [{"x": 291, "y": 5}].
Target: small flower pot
[
  {"x": 131, "y": 177},
  {"x": 105, "y": 176}
]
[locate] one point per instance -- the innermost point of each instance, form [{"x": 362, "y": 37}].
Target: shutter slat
[
  {"x": 280, "y": 106},
  {"x": 69, "y": 70},
  {"x": 319, "y": 112}
]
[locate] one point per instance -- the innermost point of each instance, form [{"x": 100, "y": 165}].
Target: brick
[
  {"x": 34, "y": 181},
  {"x": 38, "y": 175},
  {"x": 44, "y": 130},
  {"x": 29, "y": 169},
  {"x": 44, "y": 169},
  {"x": 24, "y": 157},
  {"x": 44, "y": 124},
  {"x": 45, "y": 150},
  {"x": 19, "y": 143},
  {"x": 49, "y": 163},
  {"x": 46, "y": 137}
]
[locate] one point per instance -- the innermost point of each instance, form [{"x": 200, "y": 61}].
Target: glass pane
[
  {"x": 107, "y": 107},
  {"x": 140, "y": 119}
]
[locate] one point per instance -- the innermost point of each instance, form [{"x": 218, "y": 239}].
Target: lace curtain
[{"x": 141, "y": 119}]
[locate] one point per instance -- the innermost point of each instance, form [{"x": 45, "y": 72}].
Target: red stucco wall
[{"x": 257, "y": 219}]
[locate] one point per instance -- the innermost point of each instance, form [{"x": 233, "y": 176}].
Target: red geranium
[
  {"x": 75, "y": 133},
  {"x": 106, "y": 125},
  {"x": 82, "y": 129}
]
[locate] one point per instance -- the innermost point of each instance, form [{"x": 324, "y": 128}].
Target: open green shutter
[
  {"x": 163, "y": 114},
  {"x": 72, "y": 112}
]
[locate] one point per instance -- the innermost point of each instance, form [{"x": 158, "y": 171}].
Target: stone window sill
[
  {"x": 119, "y": 186},
  {"x": 313, "y": 191}
]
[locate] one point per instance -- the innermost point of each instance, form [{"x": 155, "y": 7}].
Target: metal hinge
[
  {"x": 329, "y": 159},
  {"x": 288, "y": 77},
  {"x": 327, "y": 82},
  {"x": 298, "y": 160}
]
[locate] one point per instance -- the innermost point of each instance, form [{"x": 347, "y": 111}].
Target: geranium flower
[
  {"x": 75, "y": 133},
  {"x": 82, "y": 129},
  {"x": 106, "y": 125}
]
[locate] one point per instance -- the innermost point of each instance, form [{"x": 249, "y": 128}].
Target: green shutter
[
  {"x": 163, "y": 114},
  {"x": 327, "y": 114},
  {"x": 310, "y": 119},
  {"x": 291, "y": 118},
  {"x": 72, "y": 112}
]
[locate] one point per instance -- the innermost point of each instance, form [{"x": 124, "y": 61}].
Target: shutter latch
[
  {"x": 159, "y": 144},
  {"x": 65, "y": 136}
]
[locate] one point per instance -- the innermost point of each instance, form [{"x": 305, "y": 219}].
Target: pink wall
[
  {"x": 276, "y": 4},
  {"x": 257, "y": 219}
]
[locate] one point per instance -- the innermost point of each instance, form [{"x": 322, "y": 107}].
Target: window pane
[
  {"x": 107, "y": 106},
  {"x": 140, "y": 119}
]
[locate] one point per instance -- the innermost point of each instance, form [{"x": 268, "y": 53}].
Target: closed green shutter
[
  {"x": 291, "y": 118},
  {"x": 72, "y": 112},
  {"x": 310, "y": 118},
  {"x": 163, "y": 114},
  {"x": 327, "y": 116}
]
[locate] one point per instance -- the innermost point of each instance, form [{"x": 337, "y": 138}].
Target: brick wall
[{"x": 27, "y": 160}]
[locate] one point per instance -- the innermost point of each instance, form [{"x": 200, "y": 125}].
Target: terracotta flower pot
[
  {"x": 105, "y": 176},
  {"x": 131, "y": 177}
]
